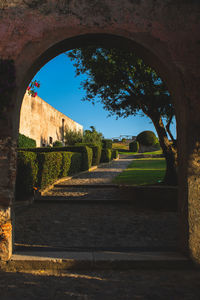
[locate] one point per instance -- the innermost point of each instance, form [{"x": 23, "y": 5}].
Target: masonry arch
[{"x": 45, "y": 30}]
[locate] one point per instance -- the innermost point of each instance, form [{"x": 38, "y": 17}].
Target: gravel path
[{"x": 102, "y": 175}]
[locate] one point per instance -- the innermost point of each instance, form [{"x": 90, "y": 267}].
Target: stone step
[{"x": 99, "y": 260}]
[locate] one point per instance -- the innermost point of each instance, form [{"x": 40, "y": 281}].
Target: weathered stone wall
[
  {"x": 165, "y": 33},
  {"x": 7, "y": 183},
  {"x": 40, "y": 121}
]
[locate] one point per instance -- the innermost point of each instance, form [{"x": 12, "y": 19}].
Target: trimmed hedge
[
  {"x": 134, "y": 146},
  {"x": 114, "y": 154},
  {"x": 96, "y": 149},
  {"x": 57, "y": 144},
  {"x": 25, "y": 142},
  {"x": 147, "y": 138},
  {"x": 27, "y": 171},
  {"x": 107, "y": 144},
  {"x": 50, "y": 165},
  {"x": 71, "y": 163},
  {"x": 106, "y": 155},
  {"x": 84, "y": 150}
]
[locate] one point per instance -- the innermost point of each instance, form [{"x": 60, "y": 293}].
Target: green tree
[
  {"x": 72, "y": 137},
  {"x": 126, "y": 86},
  {"x": 92, "y": 136}
]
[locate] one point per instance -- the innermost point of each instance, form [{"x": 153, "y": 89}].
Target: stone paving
[
  {"x": 82, "y": 226},
  {"x": 107, "y": 285}
]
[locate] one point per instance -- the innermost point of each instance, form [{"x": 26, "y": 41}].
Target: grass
[
  {"x": 135, "y": 153},
  {"x": 123, "y": 148},
  {"x": 142, "y": 172}
]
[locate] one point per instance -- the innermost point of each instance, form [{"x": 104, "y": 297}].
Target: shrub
[
  {"x": 25, "y": 142},
  {"x": 27, "y": 171},
  {"x": 105, "y": 155},
  {"x": 147, "y": 138},
  {"x": 115, "y": 154},
  {"x": 107, "y": 144},
  {"x": 134, "y": 146},
  {"x": 71, "y": 163},
  {"x": 49, "y": 168},
  {"x": 92, "y": 136},
  {"x": 57, "y": 144},
  {"x": 72, "y": 137},
  {"x": 84, "y": 150},
  {"x": 96, "y": 149}
]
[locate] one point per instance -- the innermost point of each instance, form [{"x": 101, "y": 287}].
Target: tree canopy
[{"x": 126, "y": 86}]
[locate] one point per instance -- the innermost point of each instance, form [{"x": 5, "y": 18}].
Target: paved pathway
[
  {"x": 95, "y": 225},
  {"x": 98, "y": 226}
]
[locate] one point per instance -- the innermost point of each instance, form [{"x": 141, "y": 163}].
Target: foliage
[
  {"x": 84, "y": 150},
  {"x": 27, "y": 170},
  {"x": 57, "y": 144},
  {"x": 92, "y": 136},
  {"x": 49, "y": 168},
  {"x": 71, "y": 163},
  {"x": 107, "y": 144},
  {"x": 126, "y": 86},
  {"x": 134, "y": 146},
  {"x": 142, "y": 172},
  {"x": 123, "y": 82},
  {"x": 147, "y": 138},
  {"x": 106, "y": 155},
  {"x": 25, "y": 142},
  {"x": 96, "y": 149},
  {"x": 114, "y": 154},
  {"x": 31, "y": 88},
  {"x": 72, "y": 137}
]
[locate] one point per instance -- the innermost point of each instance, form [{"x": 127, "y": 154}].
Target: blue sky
[{"x": 61, "y": 89}]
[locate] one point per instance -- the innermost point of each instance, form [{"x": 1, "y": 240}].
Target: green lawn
[
  {"x": 143, "y": 171},
  {"x": 136, "y": 153}
]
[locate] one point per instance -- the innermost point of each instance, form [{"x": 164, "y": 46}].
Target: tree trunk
[
  {"x": 169, "y": 151},
  {"x": 169, "y": 131}
]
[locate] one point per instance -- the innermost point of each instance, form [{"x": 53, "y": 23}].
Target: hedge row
[
  {"x": 27, "y": 171},
  {"x": 41, "y": 169},
  {"x": 86, "y": 152},
  {"x": 96, "y": 149},
  {"x": 25, "y": 142}
]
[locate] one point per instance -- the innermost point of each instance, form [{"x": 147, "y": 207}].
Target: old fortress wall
[{"x": 43, "y": 123}]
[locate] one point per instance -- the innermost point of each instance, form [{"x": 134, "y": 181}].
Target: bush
[
  {"x": 115, "y": 154},
  {"x": 57, "y": 144},
  {"x": 92, "y": 136},
  {"x": 27, "y": 171},
  {"x": 49, "y": 168},
  {"x": 25, "y": 142},
  {"x": 71, "y": 163},
  {"x": 72, "y": 137},
  {"x": 84, "y": 150},
  {"x": 106, "y": 155},
  {"x": 107, "y": 144},
  {"x": 147, "y": 138},
  {"x": 134, "y": 146},
  {"x": 96, "y": 149}
]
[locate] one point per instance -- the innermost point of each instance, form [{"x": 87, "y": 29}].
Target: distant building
[{"x": 43, "y": 123}]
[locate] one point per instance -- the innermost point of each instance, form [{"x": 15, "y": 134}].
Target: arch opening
[{"x": 102, "y": 40}]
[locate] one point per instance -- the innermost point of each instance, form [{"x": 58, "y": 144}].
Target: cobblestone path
[
  {"x": 95, "y": 225},
  {"x": 84, "y": 226}
]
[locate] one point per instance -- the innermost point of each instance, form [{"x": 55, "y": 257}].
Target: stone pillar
[
  {"x": 7, "y": 184},
  {"x": 189, "y": 166}
]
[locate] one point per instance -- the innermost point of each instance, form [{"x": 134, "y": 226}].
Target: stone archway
[{"x": 165, "y": 34}]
